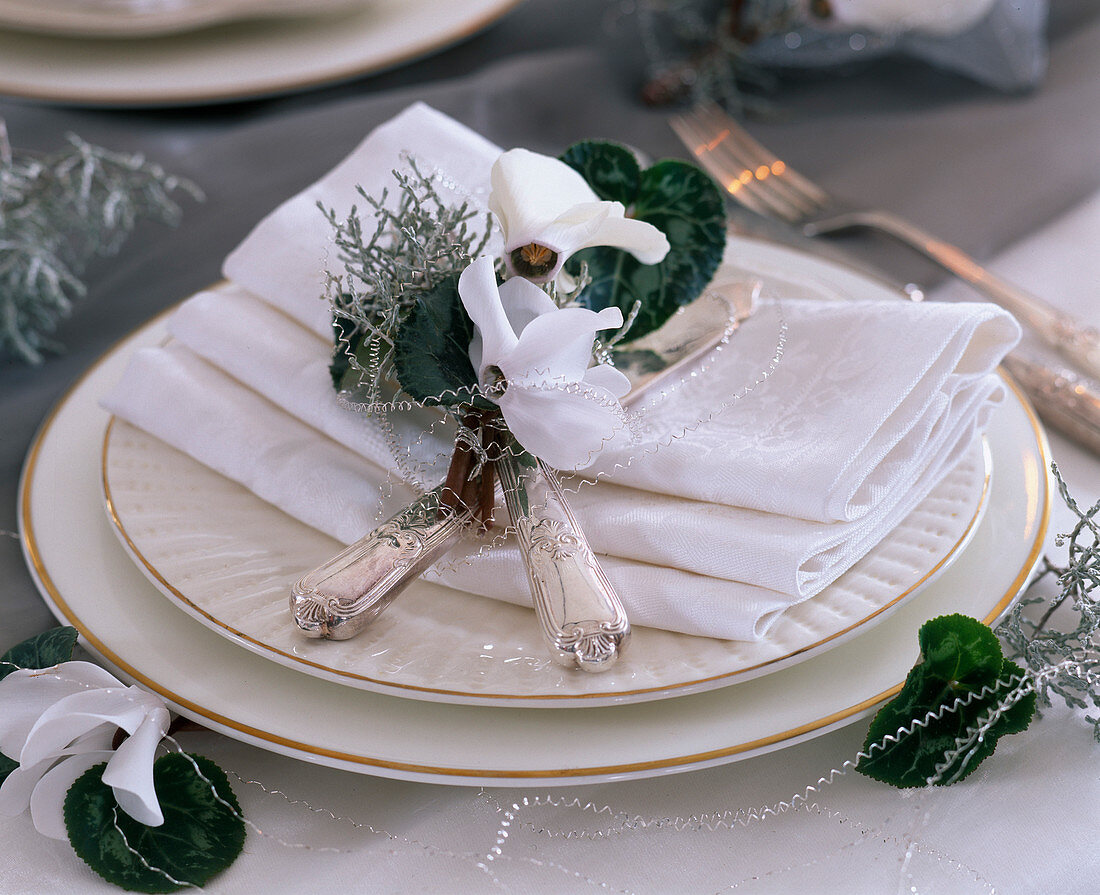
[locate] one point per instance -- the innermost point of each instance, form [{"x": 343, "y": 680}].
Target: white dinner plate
[
  {"x": 148, "y": 18},
  {"x": 90, "y": 583},
  {"x": 228, "y": 559},
  {"x": 233, "y": 60}
]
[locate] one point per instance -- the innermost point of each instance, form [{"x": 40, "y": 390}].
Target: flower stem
[{"x": 461, "y": 489}]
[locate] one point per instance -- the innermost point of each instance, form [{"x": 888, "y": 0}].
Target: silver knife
[{"x": 343, "y": 596}]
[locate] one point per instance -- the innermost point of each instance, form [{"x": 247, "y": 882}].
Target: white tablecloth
[{"x": 1025, "y": 822}]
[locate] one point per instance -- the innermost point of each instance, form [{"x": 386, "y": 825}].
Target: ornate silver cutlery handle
[
  {"x": 340, "y": 598},
  {"x": 1066, "y": 400},
  {"x": 579, "y": 613},
  {"x": 344, "y": 595}
]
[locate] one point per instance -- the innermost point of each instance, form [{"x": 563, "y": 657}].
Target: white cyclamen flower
[
  {"x": 548, "y": 211},
  {"x": 939, "y": 18},
  {"x": 58, "y": 722},
  {"x": 557, "y": 406}
]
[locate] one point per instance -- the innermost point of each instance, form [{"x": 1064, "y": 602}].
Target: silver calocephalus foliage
[
  {"x": 1074, "y": 647},
  {"x": 57, "y": 212}
]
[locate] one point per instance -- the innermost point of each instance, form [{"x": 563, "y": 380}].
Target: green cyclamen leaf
[
  {"x": 432, "y": 349},
  {"x": 41, "y": 651},
  {"x": 346, "y": 342},
  {"x": 200, "y": 836},
  {"x": 610, "y": 169},
  {"x": 7, "y": 765},
  {"x": 683, "y": 203},
  {"x": 959, "y": 656}
]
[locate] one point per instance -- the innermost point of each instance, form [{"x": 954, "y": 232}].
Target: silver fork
[{"x": 766, "y": 184}]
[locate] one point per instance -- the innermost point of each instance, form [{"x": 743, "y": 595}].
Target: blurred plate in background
[
  {"x": 232, "y": 60},
  {"x": 147, "y": 18}
]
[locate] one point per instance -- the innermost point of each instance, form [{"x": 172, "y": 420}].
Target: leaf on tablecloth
[
  {"x": 41, "y": 651},
  {"x": 961, "y": 684},
  {"x": 202, "y": 833}
]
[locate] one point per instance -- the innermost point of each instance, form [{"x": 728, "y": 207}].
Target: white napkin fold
[
  {"x": 712, "y": 533},
  {"x": 283, "y": 259},
  {"x": 865, "y": 397}
]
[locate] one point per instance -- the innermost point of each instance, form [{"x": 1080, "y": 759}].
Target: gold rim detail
[
  {"x": 1042, "y": 504},
  {"x": 170, "y": 97},
  {"x": 261, "y": 647}
]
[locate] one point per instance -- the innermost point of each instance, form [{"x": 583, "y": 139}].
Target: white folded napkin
[
  {"x": 282, "y": 260},
  {"x": 715, "y": 532}
]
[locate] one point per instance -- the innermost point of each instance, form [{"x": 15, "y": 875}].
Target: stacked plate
[
  {"x": 147, "y": 18},
  {"x": 182, "y": 585},
  {"x": 165, "y": 52}
]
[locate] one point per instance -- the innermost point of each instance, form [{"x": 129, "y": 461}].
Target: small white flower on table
[
  {"x": 534, "y": 358},
  {"x": 58, "y": 722},
  {"x": 548, "y": 212}
]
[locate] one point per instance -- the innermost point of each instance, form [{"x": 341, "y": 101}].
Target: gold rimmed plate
[
  {"x": 90, "y": 582},
  {"x": 233, "y": 60},
  {"x": 228, "y": 559},
  {"x": 141, "y": 18}
]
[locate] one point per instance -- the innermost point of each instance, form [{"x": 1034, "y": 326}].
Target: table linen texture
[
  {"x": 982, "y": 170},
  {"x": 705, "y": 527}
]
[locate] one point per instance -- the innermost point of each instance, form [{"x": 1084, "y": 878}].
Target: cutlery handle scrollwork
[
  {"x": 340, "y": 598},
  {"x": 1077, "y": 343},
  {"x": 579, "y": 613},
  {"x": 1064, "y": 399}
]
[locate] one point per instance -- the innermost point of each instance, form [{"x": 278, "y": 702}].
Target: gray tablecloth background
[{"x": 976, "y": 167}]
